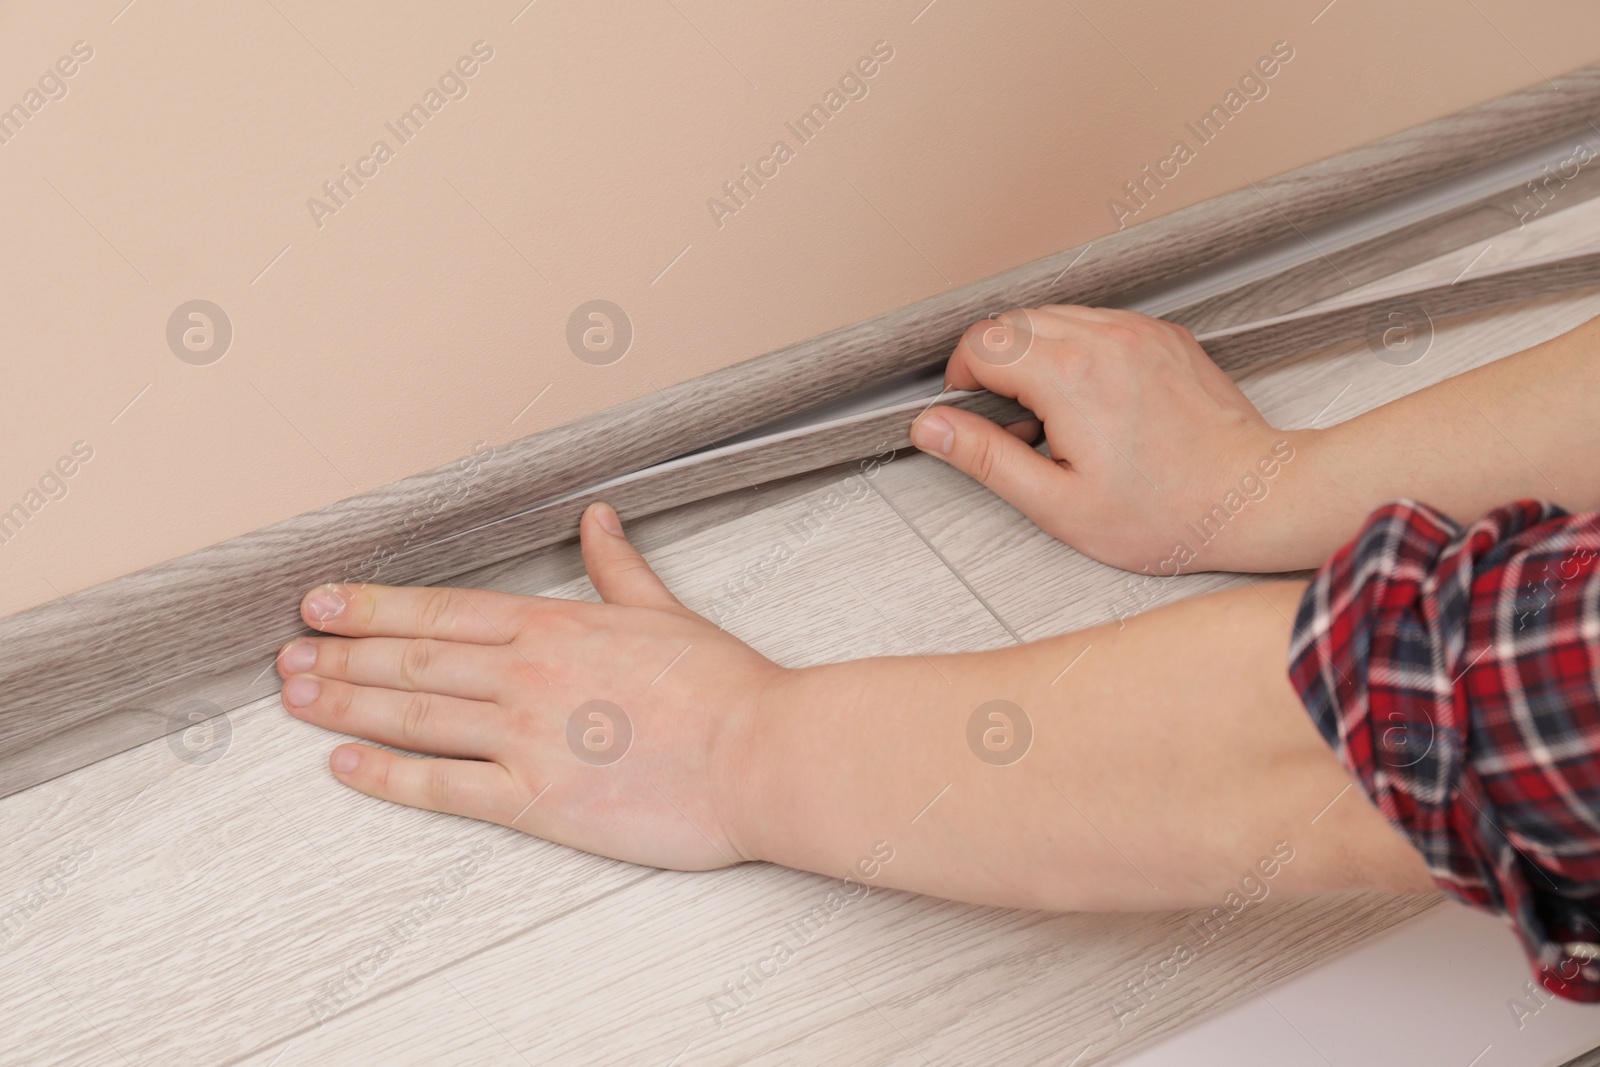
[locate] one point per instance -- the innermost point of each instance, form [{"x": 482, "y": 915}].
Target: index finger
[
  {"x": 471, "y": 616},
  {"x": 1005, "y": 355},
  {"x": 986, "y": 349}
]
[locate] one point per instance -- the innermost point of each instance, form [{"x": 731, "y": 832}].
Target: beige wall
[{"x": 423, "y": 315}]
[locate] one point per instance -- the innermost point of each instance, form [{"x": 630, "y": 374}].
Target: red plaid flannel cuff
[{"x": 1456, "y": 673}]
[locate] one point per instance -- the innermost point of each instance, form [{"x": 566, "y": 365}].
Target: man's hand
[
  {"x": 1157, "y": 460},
  {"x": 1178, "y": 737},
  {"x": 617, "y": 728}
]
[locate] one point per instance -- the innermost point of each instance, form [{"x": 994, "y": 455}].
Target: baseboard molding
[
  {"x": 101, "y": 670},
  {"x": 1413, "y": 310},
  {"x": 1590, "y": 1058},
  {"x": 1469, "y": 210}
]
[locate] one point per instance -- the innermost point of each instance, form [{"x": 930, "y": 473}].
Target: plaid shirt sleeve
[{"x": 1456, "y": 673}]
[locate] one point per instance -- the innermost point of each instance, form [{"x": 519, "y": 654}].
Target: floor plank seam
[
  {"x": 450, "y": 965},
  {"x": 947, "y": 565},
  {"x": 252, "y": 582}
]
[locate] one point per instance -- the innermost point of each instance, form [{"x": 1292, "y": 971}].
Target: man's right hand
[{"x": 1157, "y": 460}]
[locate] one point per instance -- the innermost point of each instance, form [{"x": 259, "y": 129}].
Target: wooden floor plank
[
  {"x": 256, "y": 880},
  {"x": 668, "y": 969},
  {"x": 1565, "y": 229},
  {"x": 219, "y": 900},
  {"x": 1038, "y": 586},
  {"x": 67, "y": 673},
  {"x": 1337, "y": 269}
]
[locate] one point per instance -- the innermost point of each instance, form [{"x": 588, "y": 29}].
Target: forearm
[
  {"x": 1524, "y": 426},
  {"x": 1165, "y": 764}
]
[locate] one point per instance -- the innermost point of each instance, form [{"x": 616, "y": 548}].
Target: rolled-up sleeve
[{"x": 1455, "y": 671}]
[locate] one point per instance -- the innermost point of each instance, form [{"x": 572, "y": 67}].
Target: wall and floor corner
[
  {"x": 231, "y": 856},
  {"x": 419, "y": 322},
  {"x": 95, "y": 671},
  {"x": 380, "y": 311},
  {"x": 371, "y": 341}
]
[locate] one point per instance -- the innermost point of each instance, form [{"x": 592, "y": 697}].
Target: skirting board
[
  {"x": 1397, "y": 320},
  {"x": 1405, "y": 316},
  {"x": 1585, "y": 1059},
  {"x": 758, "y": 461},
  {"x": 99, "y": 671},
  {"x": 803, "y": 446},
  {"x": 1381, "y": 246}
]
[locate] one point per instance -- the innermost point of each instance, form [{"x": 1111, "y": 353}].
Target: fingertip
[
  {"x": 345, "y": 760},
  {"x": 998, "y": 457},
  {"x": 933, "y": 432},
  {"x": 326, "y": 603},
  {"x": 956, "y": 375},
  {"x": 299, "y": 693},
  {"x": 606, "y": 517},
  {"x": 616, "y": 568}
]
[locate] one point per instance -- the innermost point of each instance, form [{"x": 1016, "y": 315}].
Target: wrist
[
  {"x": 811, "y": 787},
  {"x": 1249, "y": 514},
  {"x": 751, "y": 766},
  {"x": 1287, "y": 529}
]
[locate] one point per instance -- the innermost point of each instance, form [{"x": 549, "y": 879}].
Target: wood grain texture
[
  {"x": 1414, "y": 310},
  {"x": 257, "y": 881},
  {"x": 104, "y": 668},
  {"x": 56, "y": 747},
  {"x": 1337, "y": 270},
  {"x": 1571, "y": 231},
  {"x": 894, "y": 979},
  {"x": 721, "y": 469},
  {"x": 1039, "y": 587}
]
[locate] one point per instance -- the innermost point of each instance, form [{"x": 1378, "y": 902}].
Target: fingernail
[
  {"x": 932, "y": 433},
  {"x": 606, "y": 516},
  {"x": 324, "y": 604},
  {"x": 298, "y": 658},
  {"x": 346, "y": 758},
  {"x": 298, "y": 692}
]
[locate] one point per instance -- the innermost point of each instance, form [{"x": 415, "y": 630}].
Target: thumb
[
  {"x": 999, "y": 459},
  {"x": 619, "y": 573}
]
